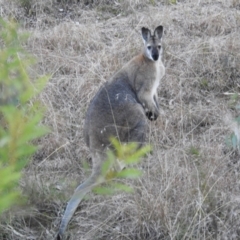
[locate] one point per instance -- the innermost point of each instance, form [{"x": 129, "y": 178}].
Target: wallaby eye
[
  {"x": 149, "y": 47},
  {"x": 159, "y": 47}
]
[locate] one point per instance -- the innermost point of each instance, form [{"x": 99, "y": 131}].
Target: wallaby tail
[{"x": 77, "y": 197}]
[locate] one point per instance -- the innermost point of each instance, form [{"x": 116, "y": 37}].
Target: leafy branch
[
  {"x": 123, "y": 155},
  {"x": 20, "y": 115}
]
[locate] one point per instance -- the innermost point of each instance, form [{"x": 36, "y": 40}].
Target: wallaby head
[{"x": 152, "y": 43}]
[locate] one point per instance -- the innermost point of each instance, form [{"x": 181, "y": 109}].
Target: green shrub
[
  {"x": 20, "y": 115},
  {"x": 128, "y": 155}
]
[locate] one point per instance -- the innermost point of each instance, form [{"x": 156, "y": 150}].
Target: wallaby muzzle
[{"x": 155, "y": 54}]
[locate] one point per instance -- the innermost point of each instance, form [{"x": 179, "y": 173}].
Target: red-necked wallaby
[{"x": 119, "y": 109}]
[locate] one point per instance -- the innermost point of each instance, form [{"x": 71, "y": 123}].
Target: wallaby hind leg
[
  {"x": 138, "y": 133},
  {"x": 135, "y": 132}
]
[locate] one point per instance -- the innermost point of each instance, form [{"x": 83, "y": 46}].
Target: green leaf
[
  {"x": 8, "y": 175},
  {"x": 107, "y": 164},
  {"x": 8, "y": 200},
  {"x": 103, "y": 190},
  {"x": 122, "y": 187},
  {"x": 129, "y": 173},
  {"x": 4, "y": 141},
  {"x": 136, "y": 157}
]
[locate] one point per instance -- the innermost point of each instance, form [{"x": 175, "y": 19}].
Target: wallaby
[{"x": 119, "y": 109}]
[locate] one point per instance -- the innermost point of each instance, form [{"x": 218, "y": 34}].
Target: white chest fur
[{"x": 159, "y": 73}]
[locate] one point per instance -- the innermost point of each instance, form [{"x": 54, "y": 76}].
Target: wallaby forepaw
[{"x": 151, "y": 116}]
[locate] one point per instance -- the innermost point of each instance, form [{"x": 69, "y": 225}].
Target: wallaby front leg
[{"x": 149, "y": 104}]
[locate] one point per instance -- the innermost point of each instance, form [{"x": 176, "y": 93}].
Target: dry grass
[{"x": 191, "y": 182}]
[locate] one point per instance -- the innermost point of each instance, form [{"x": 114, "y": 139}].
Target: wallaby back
[{"x": 119, "y": 109}]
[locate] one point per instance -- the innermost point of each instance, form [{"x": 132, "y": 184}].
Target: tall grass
[{"x": 190, "y": 183}]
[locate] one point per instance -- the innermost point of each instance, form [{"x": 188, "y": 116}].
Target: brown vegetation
[{"x": 191, "y": 182}]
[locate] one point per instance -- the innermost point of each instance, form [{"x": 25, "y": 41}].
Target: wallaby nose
[
  {"x": 155, "y": 57},
  {"x": 155, "y": 54}
]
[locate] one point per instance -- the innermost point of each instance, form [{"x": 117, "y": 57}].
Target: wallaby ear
[
  {"x": 158, "y": 32},
  {"x": 146, "y": 34}
]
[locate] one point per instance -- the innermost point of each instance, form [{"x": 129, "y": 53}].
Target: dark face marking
[
  {"x": 155, "y": 48},
  {"x": 155, "y": 53}
]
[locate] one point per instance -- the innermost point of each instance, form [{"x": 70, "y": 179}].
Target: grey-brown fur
[{"x": 119, "y": 109}]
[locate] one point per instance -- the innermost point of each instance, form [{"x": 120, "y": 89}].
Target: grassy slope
[{"x": 190, "y": 187}]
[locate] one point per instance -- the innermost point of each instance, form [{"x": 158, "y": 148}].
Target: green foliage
[
  {"x": 172, "y": 1},
  {"x": 20, "y": 116},
  {"x": 152, "y": 2},
  {"x": 233, "y": 102},
  {"x": 116, "y": 166},
  {"x": 194, "y": 151},
  {"x": 204, "y": 83}
]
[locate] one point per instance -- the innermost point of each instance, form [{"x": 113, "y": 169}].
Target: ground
[{"x": 191, "y": 181}]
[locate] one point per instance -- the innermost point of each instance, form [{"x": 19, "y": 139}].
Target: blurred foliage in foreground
[
  {"x": 20, "y": 115},
  {"x": 117, "y": 166}
]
